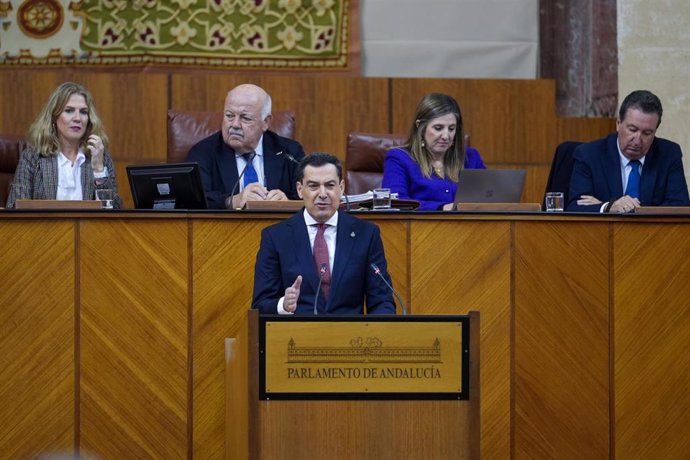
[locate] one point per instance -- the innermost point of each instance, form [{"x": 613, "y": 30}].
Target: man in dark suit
[
  {"x": 244, "y": 143},
  {"x": 322, "y": 250},
  {"x": 632, "y": 168}
]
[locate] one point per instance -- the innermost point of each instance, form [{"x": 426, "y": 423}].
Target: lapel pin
[{"x": 352, "y": 235}]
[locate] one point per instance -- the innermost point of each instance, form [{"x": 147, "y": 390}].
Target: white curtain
[{"x": 450, "y": 38}]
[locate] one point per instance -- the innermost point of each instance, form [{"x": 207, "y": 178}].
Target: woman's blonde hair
[
  {"x": 432, "y": 106},
  {"x": 43, "y": 134}
]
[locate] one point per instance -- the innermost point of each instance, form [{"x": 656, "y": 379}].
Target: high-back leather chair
[
  {"x": 364, "y": 159},
  {"x": 186, "y": 128},
  {"x": 561, "y": 170},
  {"x": 11, "y": 147}
]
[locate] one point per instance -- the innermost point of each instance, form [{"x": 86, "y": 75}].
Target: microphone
[
  {"x": 347, "y": 202},
  {"x": 377, "y": 271},
  {"x": 288, "y": 156},
  {"x": 237, "y": 184},
  {"x": 322, "y": 271},
  {"x": 291, "y": 158}
]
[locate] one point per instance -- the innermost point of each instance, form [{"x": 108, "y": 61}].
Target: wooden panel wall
[
  {"x": 37, "y": 338},
  {"x": 511, "y": 122},
  {"x": 561, "y": 340},
  {"x": 132, "y": 107},
  {"x": 223, "y": 270},
  {"x": 326, "y": 108},
  {"x": 113, "y": 328},
  {"x": 479, "y": 257},
  {"x": 651, "y": 323},
  {"x": 134, "y": 339}
]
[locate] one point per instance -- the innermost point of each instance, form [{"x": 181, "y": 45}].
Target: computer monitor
[{"x": 167, "y": 186}]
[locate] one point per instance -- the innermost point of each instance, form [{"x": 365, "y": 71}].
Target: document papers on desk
[{"x": 362, "y": 197}]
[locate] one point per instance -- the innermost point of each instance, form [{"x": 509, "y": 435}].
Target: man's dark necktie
[
  {"x": 250, "y": 175},
  {"x": 321, "y": 259},
  {"x": 633, "y": 188}
]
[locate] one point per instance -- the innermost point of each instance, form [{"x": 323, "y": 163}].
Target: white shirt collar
[
  {"x": 309, "y": 220},
  {"x": 625, "y": 160},
  {"x": 63, "y": 160},
  {"x": 259, "y": 149},
  {"x": 69, "y": 186}
]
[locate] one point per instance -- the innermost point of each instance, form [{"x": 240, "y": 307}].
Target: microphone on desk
[
  {"x": 377, "y": 271},
  {"x": 322, "y": 271},
  {"x": 347, "y": 202},
  {"x": 288, "y": 156},
  {"x": 237, "y": 183}
]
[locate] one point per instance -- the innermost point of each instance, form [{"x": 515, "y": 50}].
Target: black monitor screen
[{"x": 167, "y": 186}]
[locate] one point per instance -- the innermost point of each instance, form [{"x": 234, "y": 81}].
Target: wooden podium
[{"x": 353, "y": 387}]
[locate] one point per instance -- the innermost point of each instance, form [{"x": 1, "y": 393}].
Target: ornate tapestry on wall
[{"x": 239, "y": 34}]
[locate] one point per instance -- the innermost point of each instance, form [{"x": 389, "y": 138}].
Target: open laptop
[{"x": 490, "y": 185}]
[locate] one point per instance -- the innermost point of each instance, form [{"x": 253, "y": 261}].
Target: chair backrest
[
  {"x": 11, "y": 147},
  {"x": 561, "y": 170},
  {"x": 364, "y": 159},
  {"x": 186, "y": 128}
]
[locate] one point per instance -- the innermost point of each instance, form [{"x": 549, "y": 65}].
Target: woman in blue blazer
[{"x": 427, "y": 166}]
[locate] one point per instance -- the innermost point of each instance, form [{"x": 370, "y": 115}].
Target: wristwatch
[{"x": 101, "y": 177}]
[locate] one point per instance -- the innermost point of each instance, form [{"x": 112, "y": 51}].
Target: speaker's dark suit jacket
[
  {"x": 285, "y": 253},
  {"x": 597, "y": 172},
  {"x": 219, "y": 169}
]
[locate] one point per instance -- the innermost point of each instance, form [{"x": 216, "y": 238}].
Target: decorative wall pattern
[{"x": 289, "y": 34}]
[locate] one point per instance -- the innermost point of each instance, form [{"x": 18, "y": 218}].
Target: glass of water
[
  {"x": 382, "y": 198},
  {"x": 554, "y": 202},
  {"x": 105, "y": 195}
]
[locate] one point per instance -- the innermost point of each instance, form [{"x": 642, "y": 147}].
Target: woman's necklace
[
  {"x": 438, "y": 169},
  {"x": 437, "y": 164}
]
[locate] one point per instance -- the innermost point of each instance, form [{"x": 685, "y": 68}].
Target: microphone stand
[
  {"x": 322, "y": 271},
  {"x": 377, "y": 271}
]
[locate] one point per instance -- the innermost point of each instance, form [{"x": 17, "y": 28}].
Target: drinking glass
[
  {"x": 382, "y": 198},
  {"x": 554, "y": 201},
  {"x": 106, "y": 197}
]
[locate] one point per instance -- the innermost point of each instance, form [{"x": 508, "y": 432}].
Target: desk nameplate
[
  {"x": 364, "y": 358},
  {"x": 280, "y": 205},
  {"x": 676, "y": 210},
  {"x": 499, "y": 207},
  {"x": 58, "y": 204}
]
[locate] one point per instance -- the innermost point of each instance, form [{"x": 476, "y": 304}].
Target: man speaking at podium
[{"x": 320, "y": 260}]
